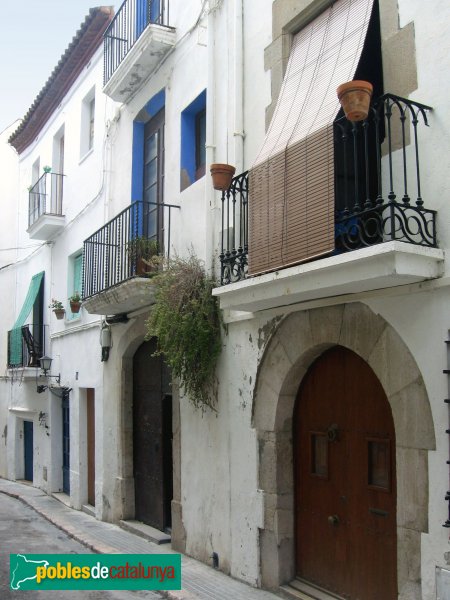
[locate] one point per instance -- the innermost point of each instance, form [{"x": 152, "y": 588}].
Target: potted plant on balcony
[
  {"x": 354, "y": 97},
  {"x": 222, "y": 174},
  {"x": 57, "y": 308},
  {"x": 75, "y": 302},
  {"x": 143, "y": 253},
  {"x": 47, "y": 169}
]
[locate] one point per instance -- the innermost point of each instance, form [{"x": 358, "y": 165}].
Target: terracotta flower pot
[
  {"x": 59, "y": 313},
  {"x": 222, "y": 175},
  {"x": 75, "y": 307},
  {"x": 354, "y": 97}
]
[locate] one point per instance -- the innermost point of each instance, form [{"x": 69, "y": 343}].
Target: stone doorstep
[
  {"x": 300, "y": 590},
  {"x": 88, "y": 509},
  {"x": 145, "y": 531},
  {"x": 62, "y": 497}
]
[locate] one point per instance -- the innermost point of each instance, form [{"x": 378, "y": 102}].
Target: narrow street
[{"x": 23, "y": 531}]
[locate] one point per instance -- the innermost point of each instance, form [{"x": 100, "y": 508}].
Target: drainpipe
[
  {"x": 211, "y": 196},
  {"x": 238, "y": 87}
]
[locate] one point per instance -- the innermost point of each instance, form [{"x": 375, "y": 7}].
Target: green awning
[{"x": 15, "y": 340}]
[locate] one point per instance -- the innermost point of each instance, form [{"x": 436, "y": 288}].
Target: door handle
[
  {"x": 333, "y": 520},
  {"x": 378, "y": 512}
]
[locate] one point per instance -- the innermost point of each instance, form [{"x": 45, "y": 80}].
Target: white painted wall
[{"x": 221, "y": 506}]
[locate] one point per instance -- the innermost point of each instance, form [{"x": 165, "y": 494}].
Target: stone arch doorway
[
  {"x": 298, "y": 341},
  {"x": 344, "y": 480}
]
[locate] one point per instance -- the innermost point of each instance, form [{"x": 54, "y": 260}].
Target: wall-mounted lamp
[
  {"x": 46, "y": 363},
  {"x": 105, "y": 341}
]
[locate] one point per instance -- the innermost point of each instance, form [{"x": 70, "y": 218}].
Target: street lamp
[{"x": 46, "y": 363}]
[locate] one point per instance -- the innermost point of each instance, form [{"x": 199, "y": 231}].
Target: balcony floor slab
[
  {"x": 148, "y": 51},
  {"x": 125, "y": 297},
  {"x": 382, "y": 266}
]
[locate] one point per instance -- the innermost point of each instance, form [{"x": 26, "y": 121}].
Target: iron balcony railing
[
  {"x": 113, "y": 254},
  {"x": 125, "y": 29},
  {"x": 377, "y": 168},
  {"x": 31, "y": 346},
  {"x": 45, "y": 197}
]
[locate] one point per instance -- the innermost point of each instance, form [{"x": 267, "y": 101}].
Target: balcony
[
  {"x": 382, "y": 236},
  {"x": 26, "y": 346},
  {"x": 117, "y": 259},
  {"x": 45, "y": 217},
  {"x": 135, "y": 42}
]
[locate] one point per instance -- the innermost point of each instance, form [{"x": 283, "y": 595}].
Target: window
[
  {"x": 56, "y": 180},
  {"x": 87, "y": 129},
  {"x": 76, "y": 283},
  {"x": 193, "y": 139}
]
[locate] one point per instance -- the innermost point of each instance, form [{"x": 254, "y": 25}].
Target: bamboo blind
[{"x": 291, "y": 217}]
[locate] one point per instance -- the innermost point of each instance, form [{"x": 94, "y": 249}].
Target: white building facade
[{"x": 328, "y": 447}]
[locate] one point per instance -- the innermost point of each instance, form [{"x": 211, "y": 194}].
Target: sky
[{"x": 33, "y": 36}]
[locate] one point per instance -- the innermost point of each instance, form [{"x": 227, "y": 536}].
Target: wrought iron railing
[
  {"x": 45, "y": 197},
  {"x": 113, "y": 254},
  {"x": 377, "y": 169},
  {"x": 125, "y": 29},
  {"x": 31, "y": 346},
  {"x": 234, "y": 253}
]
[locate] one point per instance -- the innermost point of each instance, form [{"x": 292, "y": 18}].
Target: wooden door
[
  {"x": 90, "y": 406},
  {"x": 152, "y": 438},
  {"x": 28, "y": 450},
  {"x": 66, "y": 442},
  {"x": 345, "y": 484},
  {"x": 153, "y": 186}
]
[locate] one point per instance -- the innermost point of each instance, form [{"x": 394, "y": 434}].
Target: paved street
[
  {"x": 199, "y": 581},
  {"x": 22, "y": 530}
]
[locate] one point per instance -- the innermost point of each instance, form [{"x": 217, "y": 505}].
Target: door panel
[
  {"x": 345, "y": 503},
  {"x": 28, "y": 449},
  {"x": 152, "y": 431},
  {"x": 153, "y": 184},
  {"x": 66, "y": 442},
  {"x": 91, "y": 445}
]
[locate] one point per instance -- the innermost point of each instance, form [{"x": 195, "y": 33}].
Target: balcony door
[
  {"x": 153, "y": 185},
  {"x": 345, "y": 483}
]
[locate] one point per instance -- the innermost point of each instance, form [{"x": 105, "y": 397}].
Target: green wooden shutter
[{"x": 15, "y": 345}]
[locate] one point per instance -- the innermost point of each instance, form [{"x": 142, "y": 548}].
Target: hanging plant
[{"x": 186, "y": 321}]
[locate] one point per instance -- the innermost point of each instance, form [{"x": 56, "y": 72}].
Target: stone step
[
  {"x": 145, "y": 531},
  {"x": 300, "y": 590}
]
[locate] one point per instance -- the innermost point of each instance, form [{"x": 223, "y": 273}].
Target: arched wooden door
[{"x": 345, "y": 483}]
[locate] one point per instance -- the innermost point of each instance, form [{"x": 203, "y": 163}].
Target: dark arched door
[
  {"x": 152, "y": 438},
  {"x": 345, "y": 483}
]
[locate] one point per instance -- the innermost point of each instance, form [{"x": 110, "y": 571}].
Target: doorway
[
  {"x": 152, "y": 438},
  {"x": 345, "y": 480},
  {"x": 28, "y": 450},
  {"x": 66, "y": 441},
  {"x": 90, "y": 436}
]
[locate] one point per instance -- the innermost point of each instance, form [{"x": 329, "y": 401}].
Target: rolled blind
[{"x": 291, "y": 187}]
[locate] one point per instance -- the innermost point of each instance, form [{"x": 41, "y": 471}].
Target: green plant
[
  {"x": 47, "y": 169},
  {"x": 56, "y": 305},
  {"x": 142, "y": 247},
  {"x": 186, "y": 322},
  {"x": 75, "y": 297}
]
